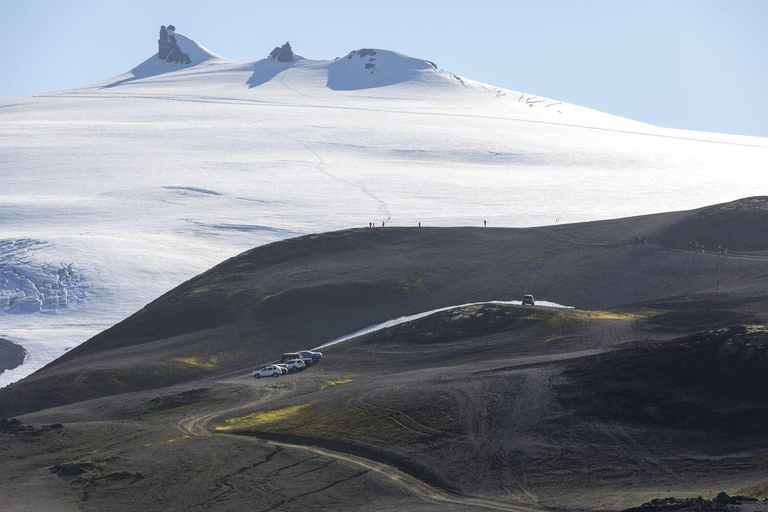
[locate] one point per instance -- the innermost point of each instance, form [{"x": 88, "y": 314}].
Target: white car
[
  {"x": 295, "y": 365},
  {"x": 308, "y": 354},
  {"x": 268, "y": 371}
]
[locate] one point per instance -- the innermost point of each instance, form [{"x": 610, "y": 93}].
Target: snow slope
[{"x": 117, "y": 191}]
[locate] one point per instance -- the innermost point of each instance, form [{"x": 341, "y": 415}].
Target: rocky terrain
[
  {"x": 11, "y": 355},
  {"x": 282, "y": 53},
  {"x": 651, "y": 386}
]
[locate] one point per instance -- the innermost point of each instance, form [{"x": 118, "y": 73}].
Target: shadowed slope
[{"x": 303, "y": 292}]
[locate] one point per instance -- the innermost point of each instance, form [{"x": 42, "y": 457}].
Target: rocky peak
[
  {"x": 168, "y": 48},
  {"x": 282, "y": 53}
]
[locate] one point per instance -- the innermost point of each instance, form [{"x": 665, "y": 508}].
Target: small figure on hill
[
  {"x": 725, "y": 251},
  {"x": 419, "y": 224},
  {"x": 690, "y": 245},
  {"x": 382, "y": 223},
  {"x": 637, "y": 239},
  {"x": 702, "y": 248},
  {"x": 485, "y": 223},
  {"x": 717, "y": 285},
  {"x": 697, "y": 246}
]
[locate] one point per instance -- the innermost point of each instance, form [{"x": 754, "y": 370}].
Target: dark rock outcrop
[
  {"x": 722, "y": 503},
  {"x": 168, "y": 48},
  {"x": 15, "y": 427},
  {"x": 365, "y": 52},
  {"x": 283, "y": 53},
  {"x": 11, "y": 355}
]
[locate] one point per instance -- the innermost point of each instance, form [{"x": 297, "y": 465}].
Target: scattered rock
[
  {"x": 168, "y": 49},
  {"x": 721, "y": 503},
  {"x": 10, "y": 426},
  {"x": 283, "y": 53},
  {"x": 121, "y": 476},
  {"x": 72, "y": 468},
  {"x": 15, "y": 427},
  {"x": 365, "y": 52}
]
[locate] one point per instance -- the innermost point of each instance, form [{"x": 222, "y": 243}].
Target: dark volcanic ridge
[
  {"x": 11, "y": 355},
  {"x": 261, "y": 303}
]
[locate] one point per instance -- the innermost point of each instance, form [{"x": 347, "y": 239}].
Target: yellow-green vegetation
[
  {"x": 211, "y": 361},
  {"x": 205, "y": 363},
  {"x": 167, "y": 441},
  {"x": 120, "y": 381},
  {"x": 342, "y": 422},
  {"x": 258, "y": 419},
  {"x": 538, "y": 258},
  {"x": 612, "y": 315},
  {"x": 71, "y": 458},
  {"x": 560, "y": 323},
  {"x": 331, "y": 383},
  {"x": 257, "y": 301},
  {"x": 557, "y": 324},
  {"x": 339, "y": 419},
  {"x": 410, "y": 285}
]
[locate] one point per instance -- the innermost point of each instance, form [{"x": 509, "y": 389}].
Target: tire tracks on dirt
[{"x": 198, "y": 426}]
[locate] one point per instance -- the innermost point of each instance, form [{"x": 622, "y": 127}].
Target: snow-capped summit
[
  {"x": 179, "y": 49},
  {"x": 175, "y": 52},
  {"x": 369, "y": 67}
]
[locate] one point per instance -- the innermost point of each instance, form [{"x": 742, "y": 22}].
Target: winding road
[{"x": 198, "y": 425}]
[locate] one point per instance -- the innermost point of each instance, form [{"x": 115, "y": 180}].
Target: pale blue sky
[{"x": 694, "y": 64}]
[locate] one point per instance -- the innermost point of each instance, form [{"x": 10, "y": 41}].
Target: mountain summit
[
  {"x": 283, "y": 53},
  {"x": 168, "y": 47}
]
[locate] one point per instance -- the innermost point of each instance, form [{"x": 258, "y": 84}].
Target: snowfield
[{"x": 115, "y": 192}]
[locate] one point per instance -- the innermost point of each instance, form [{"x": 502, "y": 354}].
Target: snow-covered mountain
[{"x": 114, "y": 192}]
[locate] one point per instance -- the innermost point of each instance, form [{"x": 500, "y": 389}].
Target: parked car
[
  {"x": 308, "y": 354},
  {"x": 267, "y": 371},
  {"x": 283, "y": 368},
  {"x": 295, "y": 365},
  {"x": 528, "y": 300}
]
